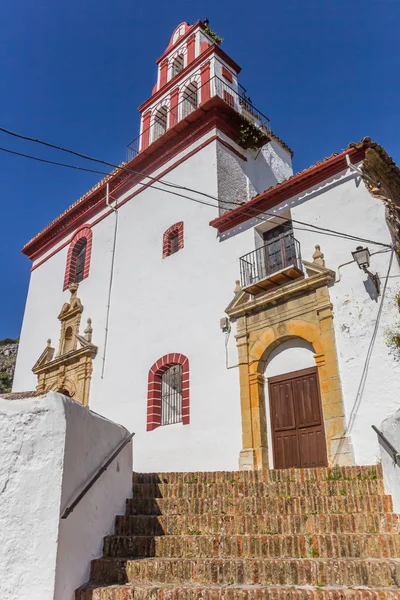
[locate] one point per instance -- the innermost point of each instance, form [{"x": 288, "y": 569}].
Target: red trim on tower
[
  {"x": 183, "y": 37},
  {"x": 226, "y": 73},
  {"x": 145, "y": 130},
  {"x": 177, "y": 228},
  {"x": 163, "y": 74},
  {"x": 173, "y": 101},
  {"x": 154, "y": 392},
  {"x": 205, "y": 82},
  {"x": 84, "y": 233},
  {"x": 214, "y": 49},
  {"x": 213, "y": 114},
  {"x": 204, "y": 46},
  {"x": 190, "y": 49},
  {"x": 287, "y": 189}
]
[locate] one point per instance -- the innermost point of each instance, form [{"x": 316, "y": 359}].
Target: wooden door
[{"x": 298, "y": 437}]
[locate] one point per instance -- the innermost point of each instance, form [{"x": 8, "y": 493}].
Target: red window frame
[{"x": 154, "y": 392}]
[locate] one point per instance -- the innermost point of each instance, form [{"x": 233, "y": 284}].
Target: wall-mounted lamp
[{"x": 361, "y": 256}]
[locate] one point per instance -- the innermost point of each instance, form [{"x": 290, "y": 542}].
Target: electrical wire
[{"x": 254, "y": 214}]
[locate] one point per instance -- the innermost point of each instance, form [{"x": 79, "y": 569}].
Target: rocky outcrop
[{"x": 8, "y": 357}]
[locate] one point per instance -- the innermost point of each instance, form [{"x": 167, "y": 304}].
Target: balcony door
[
  {"x": 279, "y": 247},
  {"x": 298, "y": 436}
]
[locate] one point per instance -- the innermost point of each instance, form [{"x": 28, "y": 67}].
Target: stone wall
[{"x": 8, "y": 357}]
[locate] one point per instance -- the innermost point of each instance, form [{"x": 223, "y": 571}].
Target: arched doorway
[{"x": 294, "y": 416}]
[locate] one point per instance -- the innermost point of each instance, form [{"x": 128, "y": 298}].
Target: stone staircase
[{"x": 320, "y": 533}]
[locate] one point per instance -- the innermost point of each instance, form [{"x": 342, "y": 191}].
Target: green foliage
[
  {"x": 335, "y": 474},
  {"x": 7, "y": 341},
  {"x": 5, "y": 382},
  {"x": 218, "y": 40},
  {"x": 250, "y": 135}
]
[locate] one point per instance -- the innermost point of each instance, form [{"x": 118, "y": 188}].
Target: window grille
[
  {"x": 171, "y": 395},
  {"x": 160, "y": 122},
  {"x": 80, "y": 262},
  {"x": 174, "y": 242},
  {"x": 190, "y": 99},
  {"x": 177, "y": 65}
]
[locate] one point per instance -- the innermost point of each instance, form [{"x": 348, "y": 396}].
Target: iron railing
[
  {"x": 171, "y": 395},
  {"x": 93, "y": 480},
  {"x": 236, "y": 97},
  {"x": 390, "y": 449},
  {"x": 279, "y": 253}
]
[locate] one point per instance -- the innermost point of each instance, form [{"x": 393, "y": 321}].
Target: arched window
[
  {"x": 80, "y": 255},
  {"x": 168, "y": 392},
  {"x": 173, "y": 239},
  {"x": 177, "y": 65},
  {"x": 190, "y": 99},
  {"x": 160, "y": 123},
  {"x": 78, "y": 260}
]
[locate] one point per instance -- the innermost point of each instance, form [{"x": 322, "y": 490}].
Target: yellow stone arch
[{"x": 257, "y": 336}]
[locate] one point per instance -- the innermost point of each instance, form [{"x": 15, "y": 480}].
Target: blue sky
[{"x": 73, "y": 73}]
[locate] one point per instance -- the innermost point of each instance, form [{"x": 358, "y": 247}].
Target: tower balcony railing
[
  {"x": 190, "y": 99},
  {"x": 274, "y": 264}
]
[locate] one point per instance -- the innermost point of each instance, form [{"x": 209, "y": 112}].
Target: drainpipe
[{"x": 111, "y": 277}]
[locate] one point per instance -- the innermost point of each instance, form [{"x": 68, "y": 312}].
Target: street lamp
[{"x": 361, "y": 256}]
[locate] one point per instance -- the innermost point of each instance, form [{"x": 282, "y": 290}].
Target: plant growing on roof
[
  {"x": 218, "y": 40},
  {"x": 250, "y": 135}
]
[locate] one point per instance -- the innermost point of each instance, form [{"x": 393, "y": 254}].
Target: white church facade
[{"x": 211, "y": 301}]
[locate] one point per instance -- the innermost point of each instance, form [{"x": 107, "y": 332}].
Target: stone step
[
  {"x": 257, "y": 524},
  {"x": 225, "y": 572},
  {"x": 236, "y": 489},
  {"x": 350, "y": 545},
  {"x": 285, "y": 475},
  {"x": 189, "y": 592},
  {"x": 284, "y": 505}
]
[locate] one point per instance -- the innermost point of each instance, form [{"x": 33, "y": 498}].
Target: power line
[{"x": 254, "y": 214}]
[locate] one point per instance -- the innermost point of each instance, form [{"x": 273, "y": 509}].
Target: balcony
[
  {"x": 191, "y": 98},
  {"x": 272, "y": 265}
]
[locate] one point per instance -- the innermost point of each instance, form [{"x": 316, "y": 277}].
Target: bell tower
[{"x": 197, "y": 91}]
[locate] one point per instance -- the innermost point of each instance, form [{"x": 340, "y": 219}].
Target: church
[{"x": 231, "y": 313}]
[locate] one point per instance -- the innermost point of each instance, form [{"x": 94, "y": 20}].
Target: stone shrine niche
[{"x": 69, "y": 371}]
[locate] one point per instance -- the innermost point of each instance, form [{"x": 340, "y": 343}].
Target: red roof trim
[
  {"x": 287, "y": 189},
  {"x": 190, "y": 67},
  {"x": 214, "y": 113}
]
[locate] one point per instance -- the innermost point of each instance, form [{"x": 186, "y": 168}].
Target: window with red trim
[
  {"x": 168, "y": 392},
  {"x": 78, "y": 259},
  {"x": 173, "y": 239}
]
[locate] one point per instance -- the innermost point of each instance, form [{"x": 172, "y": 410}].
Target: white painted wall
[
  {"x": 160, "y": 306},
  {"x": 289, "y": 356},
  {"x": 390, "y": 428},
  {"x": 344, "y": 204},
  {"x": 31, "y": 466},
  {"x": 90, "y": 441},
  {"x": 50, "y": 446}
]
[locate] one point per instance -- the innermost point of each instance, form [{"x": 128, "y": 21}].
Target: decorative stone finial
[
  {"x": 318, "y": 256},
  {"x": 49, "y": 343},
  {"x": 237, "y": 289},
  {"x": 88, "y": 331}
]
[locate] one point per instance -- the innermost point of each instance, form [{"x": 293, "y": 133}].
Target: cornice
[
  {"x": 90, "y": 350},
  {"x": 300, "y": 286}
]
